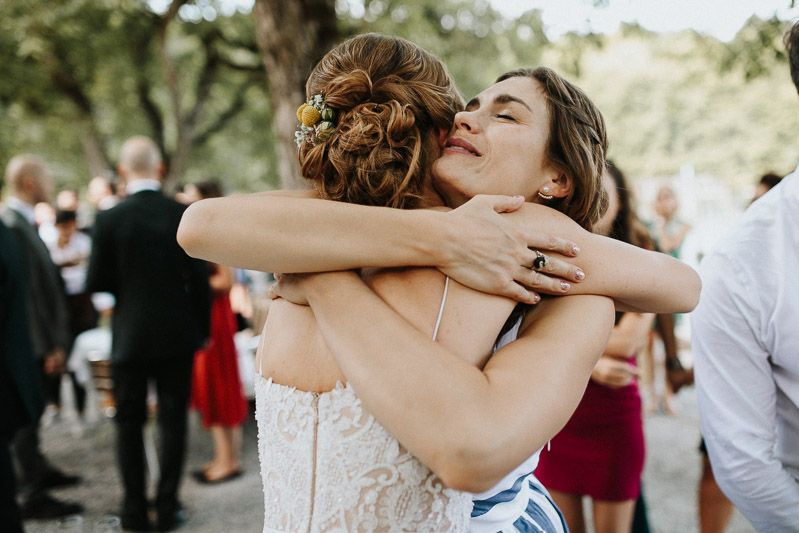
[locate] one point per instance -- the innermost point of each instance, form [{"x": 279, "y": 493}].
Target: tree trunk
[
  {"x": 292, "y": 36},
  {"x": 93, "y": 148}
]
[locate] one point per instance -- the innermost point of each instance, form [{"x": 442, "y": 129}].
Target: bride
[{"x": 326, "y": 462}]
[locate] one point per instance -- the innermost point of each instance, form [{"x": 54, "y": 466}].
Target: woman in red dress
[
  {"x": 600, "y": 452},
  {"x": 216, "y": 384}
]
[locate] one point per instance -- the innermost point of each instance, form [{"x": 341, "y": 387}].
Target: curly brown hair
[
  {"x": 391, "y": 98},
  {"x": 576, "y": 145}
]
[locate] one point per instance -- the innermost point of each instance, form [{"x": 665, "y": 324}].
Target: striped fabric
[
  {"x": 518, "y": 503},
  {"x": 524, "y": 507}
]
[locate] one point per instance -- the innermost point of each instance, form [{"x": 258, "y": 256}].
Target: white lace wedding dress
[{"x": 328, "y": 465}]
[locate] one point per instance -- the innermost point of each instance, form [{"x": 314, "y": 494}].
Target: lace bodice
[{"x": 328, "y": 465}]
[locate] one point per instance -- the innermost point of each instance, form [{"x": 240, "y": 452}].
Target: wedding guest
[
  {"x": 216, "y": 386},
  {"x": 70, "y": 251},
  {"x": 668, "y": 232},
  {"x": 20, "y": 391},
  {"x": 160, "y": 319},
  {"x": 30, "y": 183},
  {"x": 715, "y": 509},
  {"x": 744, "y": 341}
]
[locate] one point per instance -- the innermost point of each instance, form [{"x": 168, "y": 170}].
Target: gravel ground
[{"x": 670, "y": 479}]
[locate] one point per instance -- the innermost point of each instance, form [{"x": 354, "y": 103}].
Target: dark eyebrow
[
  {"x": 507, "y": 98},
  {"x": 503, "y": 98}
]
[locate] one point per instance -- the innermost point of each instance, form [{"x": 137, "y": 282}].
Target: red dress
[
  {"x": 216, "y": 385},
  {"x": 600, "y": 451}
]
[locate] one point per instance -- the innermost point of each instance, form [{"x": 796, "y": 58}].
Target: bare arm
[
  {"x": 637, "y": 279},
  {"x": 612, "y": 370},
  {"x": 449, "y": 413},
  {"x": 292, "y": 231}
]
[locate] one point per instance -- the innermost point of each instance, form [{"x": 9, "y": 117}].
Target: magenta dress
[{"x": 600, "y": 451}]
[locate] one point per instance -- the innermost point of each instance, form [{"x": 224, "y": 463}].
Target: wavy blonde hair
[{"x": 391, "y": 98}]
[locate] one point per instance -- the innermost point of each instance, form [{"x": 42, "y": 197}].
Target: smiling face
[{"x": 498, "y": 145}]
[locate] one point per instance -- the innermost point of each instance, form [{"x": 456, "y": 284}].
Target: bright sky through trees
[{"x": 719, "y": 18}]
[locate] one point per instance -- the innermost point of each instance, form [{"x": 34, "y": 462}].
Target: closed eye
[{"x": 505, "y": 117}]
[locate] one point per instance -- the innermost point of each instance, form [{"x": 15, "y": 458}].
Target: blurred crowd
[{"x": 71, "y": 295}]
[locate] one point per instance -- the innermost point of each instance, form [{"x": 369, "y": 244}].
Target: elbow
[
  {"x": 694, "y": 289},
  {"x": 468, "y": 479},
  {"x": 470, "y": 467},
  {"x": 189, "y": 234}
]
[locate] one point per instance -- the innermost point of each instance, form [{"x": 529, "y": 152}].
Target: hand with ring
[
  {"x": 540, "y": 261},
  {"x": 498, "y": 255}
]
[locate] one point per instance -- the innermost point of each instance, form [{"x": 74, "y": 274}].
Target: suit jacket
[
  {"x": 46, "y": 300},
  {"x": 162, "y": 295},
  {"x": 21, "y": 396}
]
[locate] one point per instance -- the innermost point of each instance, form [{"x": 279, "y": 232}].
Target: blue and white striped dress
[{"x": 518, "y": 503}]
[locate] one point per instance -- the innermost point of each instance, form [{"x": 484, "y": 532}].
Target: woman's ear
[
  {"x": 442, "y": 137},
  {"x": 560, "y": 186}
]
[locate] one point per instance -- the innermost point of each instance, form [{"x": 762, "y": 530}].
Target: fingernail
[
  {"x": 580, "y": 275},
  {"x": 564, "y": 286},
  {"x": 518, "y": 197},
  {"x": 536, "y": 298},
  {"x": 575, "y": 249}
]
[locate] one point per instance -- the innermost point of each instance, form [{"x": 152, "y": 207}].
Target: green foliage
[
  {"x": 673, "y": 99},
  {"x": 71, "y": 67},
  {"x": 475, "y": 42},
  {"x": 83, "y": 69}
]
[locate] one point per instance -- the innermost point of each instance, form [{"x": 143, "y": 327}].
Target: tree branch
[{"x": 236, "y": 105}]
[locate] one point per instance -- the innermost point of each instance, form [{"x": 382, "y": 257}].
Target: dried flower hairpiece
[{"x": 317, "y": 121}]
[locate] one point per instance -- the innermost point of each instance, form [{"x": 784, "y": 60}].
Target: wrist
[
  {"x": 437, "y": 240},
  {"x": 322, "y": 286}
]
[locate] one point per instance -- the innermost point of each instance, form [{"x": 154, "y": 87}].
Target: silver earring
[{"x": 544, "y": 193}]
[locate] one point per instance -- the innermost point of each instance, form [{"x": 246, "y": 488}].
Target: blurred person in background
[
  {"x": 715, "y": 509},
  {"x": 102, "y": 195},
  {"x": 765, "y": 184},
  {"x": 31, "y": 184},
  {"x": 745, "y": 340},
  {"x": 160, "y": 319},
  {"x": 668, "y": 232},
  {"x": 216, "y": 386},
  {"x": 20, "y": 390},
  {"x": 599, "y": 454},
  {"x": 70, "y": 251}
]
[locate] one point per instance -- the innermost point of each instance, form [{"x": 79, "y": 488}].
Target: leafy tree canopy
[{"x": 80, "y": 76}]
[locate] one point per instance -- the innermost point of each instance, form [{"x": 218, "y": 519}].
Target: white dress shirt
[
  {"x": 142, "y": 184},
  {"x": 746, "y": 348}
]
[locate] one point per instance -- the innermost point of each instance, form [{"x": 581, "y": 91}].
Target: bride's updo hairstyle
[
  {"x": 390, "y": 98},
  {"x": 576, "y": 145}
]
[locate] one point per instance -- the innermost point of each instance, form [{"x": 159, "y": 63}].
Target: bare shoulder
[
  {"x": 470, "y": 320},
  {"x": 293, "y": 193}
]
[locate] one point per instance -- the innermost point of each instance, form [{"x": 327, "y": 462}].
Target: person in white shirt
[{"x": 746, "y": 348}]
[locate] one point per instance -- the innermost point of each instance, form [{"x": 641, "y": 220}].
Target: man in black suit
[
  {"x": 20, "y": 391},
  {"x": 160, "y": 319},
  {"x": 29, "y": 182}
]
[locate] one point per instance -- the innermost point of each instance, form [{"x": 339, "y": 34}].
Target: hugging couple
[{"x": 410, "y": 371}]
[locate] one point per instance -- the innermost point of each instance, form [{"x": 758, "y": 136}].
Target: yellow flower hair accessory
[{"x": 317, "y": 121}]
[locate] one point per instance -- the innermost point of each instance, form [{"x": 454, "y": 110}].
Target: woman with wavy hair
[{"x": 425, "y": 370}]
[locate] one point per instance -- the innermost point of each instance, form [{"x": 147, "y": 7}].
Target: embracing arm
[
  {"x": 447, "y": 412},
  {"x": 637, "y": 279},
  {"x": 292, "y": 231}
]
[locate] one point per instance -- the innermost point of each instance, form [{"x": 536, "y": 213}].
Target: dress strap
[{"x": 441, "y": 309}]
